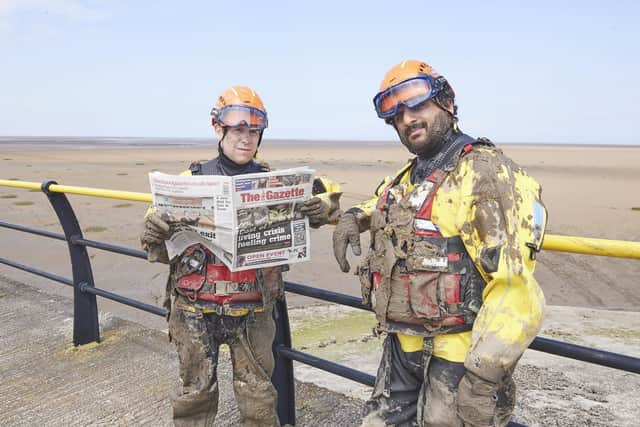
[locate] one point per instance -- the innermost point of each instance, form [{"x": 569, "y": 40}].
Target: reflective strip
[
  {"x": 435, "y": 262},
  {"x": 425, "y": 224}
]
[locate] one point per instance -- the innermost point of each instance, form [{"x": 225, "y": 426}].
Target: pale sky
[{"x": 558, "y": 71}]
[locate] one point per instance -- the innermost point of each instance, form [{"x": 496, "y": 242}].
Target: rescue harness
[{"x": 417, "y": 281}]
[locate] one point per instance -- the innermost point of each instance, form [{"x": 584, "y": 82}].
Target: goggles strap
[
  {"x": 259, "y": 140},
  {"x": 444, "y": 95},
  {"x": 225, "y": 129}
]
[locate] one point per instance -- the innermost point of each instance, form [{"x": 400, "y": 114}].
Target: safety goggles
[
  {"x": 237, "y": 115},
  {"x": 410, "y": 93}
]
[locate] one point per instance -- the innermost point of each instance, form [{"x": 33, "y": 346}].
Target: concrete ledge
[{"x": 124, "y": 380}]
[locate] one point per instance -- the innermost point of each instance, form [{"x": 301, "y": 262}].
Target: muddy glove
[
  {"x": 346, "y": 233},
  {"x": 321, "y": 212},
  {"x": 155, "y": 232},
  {"x": 483, "y": 403}
]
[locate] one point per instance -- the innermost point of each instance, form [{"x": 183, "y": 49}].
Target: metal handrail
[
  {"x": 84, "y": 287},
  {"x": 36, "y": 271},
  {"x": 33, "y": 230},
  {"x": 591, "y": 246},
  {"x": 325, "y": 365},
  {"x": 110, "y": 247},
  {"x": 82, "y": 191}
]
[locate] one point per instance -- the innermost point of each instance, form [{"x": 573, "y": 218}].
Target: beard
[{"x": 433, "y": 136}]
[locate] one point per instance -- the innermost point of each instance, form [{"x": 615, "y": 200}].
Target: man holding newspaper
[{"x": 216, "y": 294}]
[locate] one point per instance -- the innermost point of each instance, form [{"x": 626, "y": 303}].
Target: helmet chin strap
[
  {"x": 255, "y": 155},
  {"x": 224, "y": 133}
]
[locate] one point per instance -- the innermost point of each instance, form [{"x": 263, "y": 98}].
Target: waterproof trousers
[
  {"x": 416, "y": 389},
  {"x": 197, "y": 338}
]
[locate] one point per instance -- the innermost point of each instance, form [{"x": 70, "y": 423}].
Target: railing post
[
  {"x": 282, "y": 377},
  {"x": 85, "y": 309}
]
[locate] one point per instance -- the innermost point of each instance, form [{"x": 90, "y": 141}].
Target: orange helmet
[
  {"x": 239, "y": 105},
  {"x": 411, "y": 83}
]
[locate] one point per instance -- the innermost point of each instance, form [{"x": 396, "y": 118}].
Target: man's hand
[
  {"x": 155, "y": 232},
  {"x": 483, "y": 403},
  {"x": 346, "y": 233},
  {"x": 316, "y": 211},
  {"x": 321, "y": 212}
]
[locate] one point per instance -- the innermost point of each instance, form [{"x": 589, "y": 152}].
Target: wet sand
[{"x": 589, "y": 191}]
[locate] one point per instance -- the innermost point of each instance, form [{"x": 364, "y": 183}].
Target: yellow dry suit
[{"x": 452, "y": 258}]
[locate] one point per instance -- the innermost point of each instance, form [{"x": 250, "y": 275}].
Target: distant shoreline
[{"x": 86, "y": 143}]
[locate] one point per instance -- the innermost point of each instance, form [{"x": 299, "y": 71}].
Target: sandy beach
[{"x": 590, "y": 191}]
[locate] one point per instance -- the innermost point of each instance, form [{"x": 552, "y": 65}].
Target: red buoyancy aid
[{"x": 214, "y": 282}]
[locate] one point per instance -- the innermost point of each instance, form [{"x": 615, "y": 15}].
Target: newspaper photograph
[{"x": 247, "y": 221}]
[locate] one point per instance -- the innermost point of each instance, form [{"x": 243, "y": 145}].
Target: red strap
[
  {"x": 377, "y": 280},
  {"x": 437, "y": 176},
  {"x": 246, "y": 276},
  {"x": 452, "y": 293},
  {"x": 453, "y": 321},
  {"x": 467, "y": 148},
  {"x": 423, "y": 233},
  {"x": 425, "y": 209},
  {"x": 385, "y": 195},
  {"x": 217, "y": 273}
]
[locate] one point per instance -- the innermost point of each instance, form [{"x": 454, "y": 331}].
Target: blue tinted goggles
[
  {"x": 237, "y": 115},
  {"x": 409, "y": 93}
]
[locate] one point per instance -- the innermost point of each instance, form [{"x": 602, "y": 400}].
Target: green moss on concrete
[
  {"x": 341, "y": 328},
  {"x": 95, "y": 229},
  {"x": 341, "y": 335},
  {"x": 562, "y": 336},
  {"x": 615, "y": 333}
]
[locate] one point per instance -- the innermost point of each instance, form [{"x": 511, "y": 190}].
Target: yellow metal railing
[
  {"x": 83, "y": 191},
  {"x": 589, "y": 246},
  {"x": 578, "y": 245}
]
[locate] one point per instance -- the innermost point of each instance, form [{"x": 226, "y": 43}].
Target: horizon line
[{"x": 60, "y": 138}]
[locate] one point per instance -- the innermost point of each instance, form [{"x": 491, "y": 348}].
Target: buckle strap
[
  {"x": 234, "y": 309},
  {"x": 224, "y": 287}
]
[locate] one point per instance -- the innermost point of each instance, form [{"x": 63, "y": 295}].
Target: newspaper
[{"x": 247, "y": 221}]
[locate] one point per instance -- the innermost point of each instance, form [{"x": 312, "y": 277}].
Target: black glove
[{"x": 346, "y": 233}]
